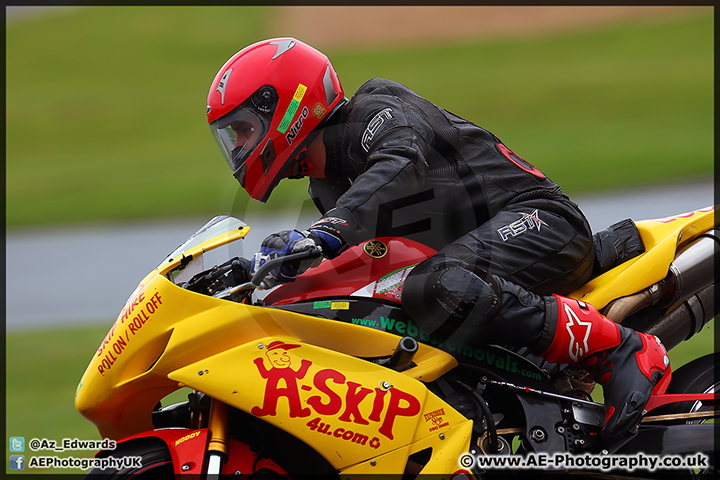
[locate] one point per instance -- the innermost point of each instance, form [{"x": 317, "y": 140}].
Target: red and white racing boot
[{"x": 628, "y": 364}]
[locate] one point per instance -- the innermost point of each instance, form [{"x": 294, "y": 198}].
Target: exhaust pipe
[
  {"x": 688, "y": 288},
  {"x": 694, "y": 266},
  {"x": 685, "y": 320}
]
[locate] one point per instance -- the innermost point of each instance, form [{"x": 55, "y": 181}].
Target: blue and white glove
[
  {"x": 326, "y": 233},
  {"x": 281, "y": 244}
]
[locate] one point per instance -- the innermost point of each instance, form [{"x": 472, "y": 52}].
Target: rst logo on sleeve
[{"x": 374, "y": 126}]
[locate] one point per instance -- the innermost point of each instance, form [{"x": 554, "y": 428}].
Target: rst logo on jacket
[
  {"x": 331, "y": 393},
  {"x": 527, "y": 222},
  {"x": 378, "y": 120}
]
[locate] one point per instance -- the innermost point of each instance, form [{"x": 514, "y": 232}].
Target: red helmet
[{"x": 263, "y": 105}]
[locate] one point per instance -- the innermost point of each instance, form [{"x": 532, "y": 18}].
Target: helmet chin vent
[{"x": 267, "y": 156}]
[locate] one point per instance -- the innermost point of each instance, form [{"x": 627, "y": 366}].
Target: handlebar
[
  {"x": 262, "y": 272},
  {"x": 280, "y": 262}
]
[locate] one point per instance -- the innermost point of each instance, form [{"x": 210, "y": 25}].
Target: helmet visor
[{"x": 238, "y": 134}]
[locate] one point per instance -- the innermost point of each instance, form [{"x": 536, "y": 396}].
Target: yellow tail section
[{"x": 662, "y": 237}]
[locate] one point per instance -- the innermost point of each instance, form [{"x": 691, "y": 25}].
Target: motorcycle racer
[{"x": 387, "y": 162}]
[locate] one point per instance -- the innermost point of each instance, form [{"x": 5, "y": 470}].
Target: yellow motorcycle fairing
[
  {"x": 165, "y": 336},
  {"x": 348, "y": 409},
  {"x": 662, "y": 237},
  {"x": 149, "y": 354},
  {"x": 445, "y": 451},
  {"x": 107, "y": 391},
  {"x": 129, "y": 373}
]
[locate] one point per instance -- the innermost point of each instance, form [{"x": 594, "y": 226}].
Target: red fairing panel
[{"x": 376, "y": 268}]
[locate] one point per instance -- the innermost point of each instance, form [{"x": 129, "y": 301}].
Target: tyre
[
  {"x": 156, "y": 462},
  {"x": 698, "y": 376}
]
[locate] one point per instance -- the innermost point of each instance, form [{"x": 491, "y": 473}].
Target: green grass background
[
  {"x": 105, "y": 106},
  {"x": 105, "y": 122}
]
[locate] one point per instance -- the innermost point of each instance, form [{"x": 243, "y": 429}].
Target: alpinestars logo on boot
[
  {"x": 575, "y": 326},
  {"x": 527, "y": 222}
]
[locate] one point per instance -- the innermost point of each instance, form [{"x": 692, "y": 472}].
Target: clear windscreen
[{"x": 218, "y": 226}]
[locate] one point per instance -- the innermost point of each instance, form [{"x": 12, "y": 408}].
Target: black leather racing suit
[{"x": 400, "y": 166}]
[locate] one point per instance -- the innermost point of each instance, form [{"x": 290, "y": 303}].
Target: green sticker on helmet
[{"x": 292, "y": 109}]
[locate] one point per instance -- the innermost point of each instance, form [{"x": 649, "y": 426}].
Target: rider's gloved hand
[
  {"x": 279, "y": 245},
  {"x": 326, "y": 232}
]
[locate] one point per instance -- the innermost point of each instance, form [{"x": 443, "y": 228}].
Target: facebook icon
[{"x": 17, "y": 462}]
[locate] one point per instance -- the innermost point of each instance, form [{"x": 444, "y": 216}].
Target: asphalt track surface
[{"x": 83, "y": 276}]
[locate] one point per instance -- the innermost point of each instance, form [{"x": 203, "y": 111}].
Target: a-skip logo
[{"x": 332, "y": 395}]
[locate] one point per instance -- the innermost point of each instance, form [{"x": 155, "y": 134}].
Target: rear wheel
[{"x": 698, "y": 376}]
